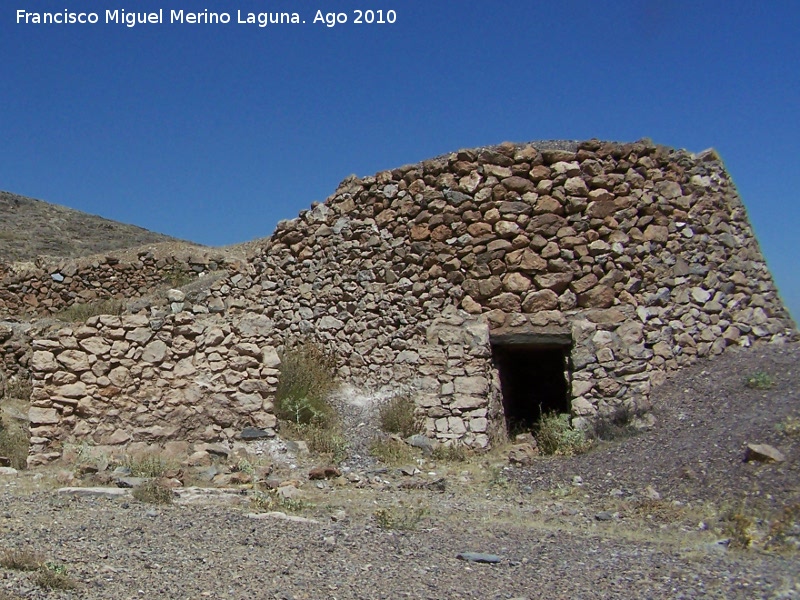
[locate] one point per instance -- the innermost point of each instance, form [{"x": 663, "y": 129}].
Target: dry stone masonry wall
[
  {"x": 639, "y": 256},
  {"x": 47, "y": 286}
]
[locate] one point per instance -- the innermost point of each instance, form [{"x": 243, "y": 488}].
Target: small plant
[
  {"x": 307, "y": 376},
  {"x": 54, "y": 576},
  {"x": 391, "y": 451},
  {"x": 398, "y": 416},
  {"x": 80, "y": 312},
  {"x": 555, "y": 436},
  {"x": 739, "y": 528},
  {"x": 14, "y": 443},
  {"x": 272, "y": 500},
  {"x": 21, "y": 560},
  {"x": 453, "y": 452},
  {"x": 321, "y": 439},
  {"x": 760, "y": 380},
  {"x": 403, "y": 518},
  {"x": 153, "y": 492},
  {"x": 146, "y": 465}
]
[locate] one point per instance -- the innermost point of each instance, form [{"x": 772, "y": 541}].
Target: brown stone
[
  {"x": 541, "y": 300},
  {"x": 597, "y": 297}
]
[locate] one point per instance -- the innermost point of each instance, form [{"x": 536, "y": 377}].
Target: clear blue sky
[{"x": 213, "y": 133}]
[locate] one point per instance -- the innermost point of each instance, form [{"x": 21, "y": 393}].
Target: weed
[
  {"x": 146, "y": 465},
  {"x": 391, "y": 451},
  {"x": 80, "y": 312},
  {"x": 739, "y": 526},
  {"x": 54, "y": 576},
  {"x": 14, "y": 443},
  {"x": 324, "y": 438},
  {"x": 760, "y": 380},
  {"x": 21, "y": 560},
  {"x": 555, "y": 436},
  {"x": 398, "y": 416},
  {"x": 307, "y": 376},
  {"x": 402, "y": 518},
  {"x": 153, "y": 492},
  {"x": 454, "y": 452},
  {"x": 272, "y": 500}
]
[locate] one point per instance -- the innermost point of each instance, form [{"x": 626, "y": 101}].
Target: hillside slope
[{"x": 29, "y": 228}]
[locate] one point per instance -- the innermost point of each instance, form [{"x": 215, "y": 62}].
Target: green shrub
[
  {"x": 760, "y": 380},
  {"x": 307, "y": 376},
  {"x": 80, "y": 312},
  {"x": 153, "y": 492},
  {"x": 555, "y": 436},
  {"x": 398, "y": 416}
]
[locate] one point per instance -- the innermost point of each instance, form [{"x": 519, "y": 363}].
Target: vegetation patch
[
  {"x": 402, "y": 518},
  {"x": 153, "y": 492},
  {"x": 54, "y": 576},
  {"x": 453, "y": 452},
  {"x": 78, "y": 313},
  {"x": 398, "y": 415},
  {"x": 273, "y": 500},
  {"x": 21, "y": 560},
  {"x": 326, "y": 439},
  {"x": 307, "y": 376},
  {"x": 14, "y": 443},
  {"x": 556, "y": 436},
  {"x": 760, "y": 380},
  {"x": 146, "y": 465},
  {"x": 391, "y": 451}
]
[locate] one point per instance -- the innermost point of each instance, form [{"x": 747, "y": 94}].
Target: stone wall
[
  {"x": 640, "y": 255},
  {"x": 48, "y": 286}
]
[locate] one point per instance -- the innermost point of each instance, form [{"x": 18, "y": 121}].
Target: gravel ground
[{"x": 602, "y": 536}]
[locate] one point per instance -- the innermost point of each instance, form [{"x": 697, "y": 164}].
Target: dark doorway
[{"x": 533, "y": 382}]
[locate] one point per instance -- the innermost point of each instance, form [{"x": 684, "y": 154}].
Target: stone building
[{"x": 492, "y": 284}]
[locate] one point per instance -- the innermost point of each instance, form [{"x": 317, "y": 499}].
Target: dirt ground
[{"x": 673, "y": 512}]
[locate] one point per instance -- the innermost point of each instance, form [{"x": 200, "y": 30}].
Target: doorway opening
[{"x": 533, "y": 379}]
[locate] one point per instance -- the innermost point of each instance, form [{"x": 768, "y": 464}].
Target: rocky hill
[{"x": 29, "y": 228}]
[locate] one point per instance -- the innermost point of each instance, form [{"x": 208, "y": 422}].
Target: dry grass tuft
[
  {"x": 397, "y": 415},
  {"x": 21, "y": 560},
  {"x": 153, "y": 492}
]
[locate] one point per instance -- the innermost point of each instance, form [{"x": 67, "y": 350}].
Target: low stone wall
[
  {"x": 640, "y": 256},
  {"x": 46, "y": 287}
]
